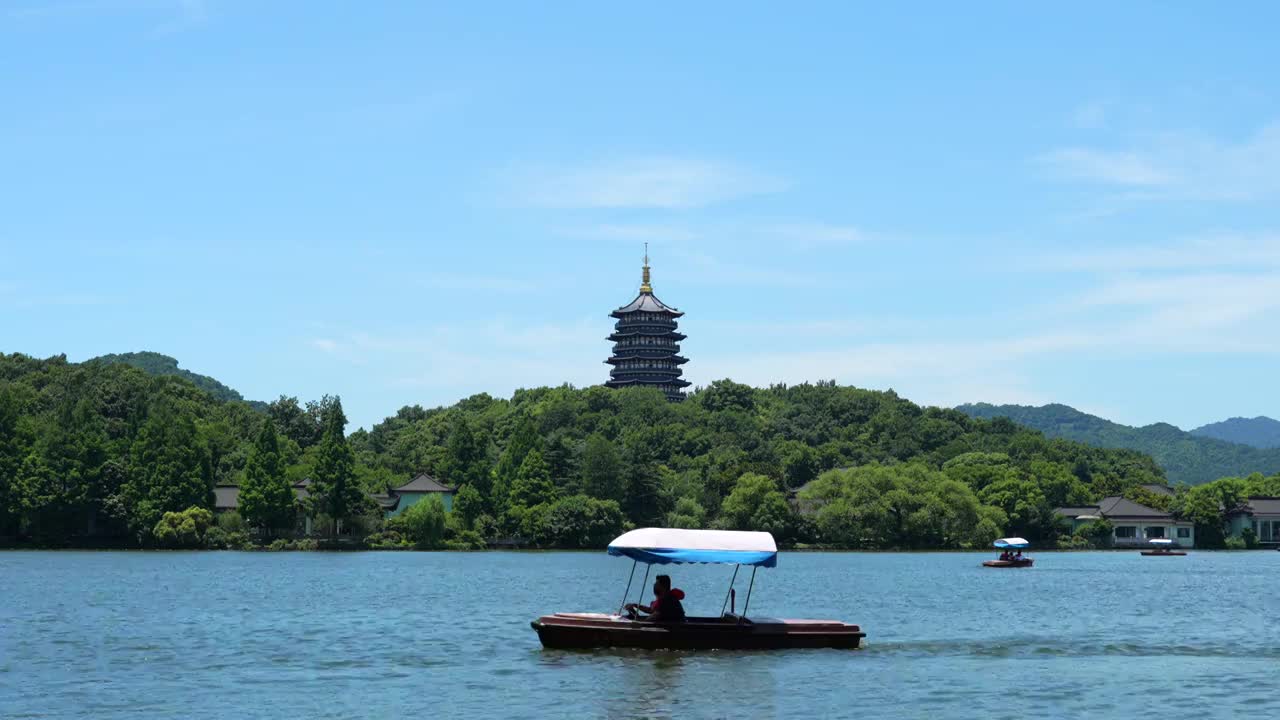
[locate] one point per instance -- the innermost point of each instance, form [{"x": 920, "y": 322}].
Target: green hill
[
  {"x": 1259, "y": 432},
  {"x": 156, "y": 364},
  {"x": 104, "y": 448},
  {"x": 1184, "y": 456}
]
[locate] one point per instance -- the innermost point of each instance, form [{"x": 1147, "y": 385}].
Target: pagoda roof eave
[
  {"x": 673, "y": 359},
  {"x": 631, "y": 381},
  {"x": 677, "y": 337},
  {"x": 645, "y": 302}
]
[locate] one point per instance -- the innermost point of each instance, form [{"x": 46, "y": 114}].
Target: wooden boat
[
  {"x": 728, "y": 631},
  {"x": 1162, "y": 547},
  {"x": 1014, "y": 543},
  {"x": 1024, "y": 562}
]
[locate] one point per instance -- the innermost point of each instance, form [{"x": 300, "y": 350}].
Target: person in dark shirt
[{"x": 666, "y": 606}]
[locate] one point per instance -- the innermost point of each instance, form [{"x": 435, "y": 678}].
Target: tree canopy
[{"x": 106, "y": 449}]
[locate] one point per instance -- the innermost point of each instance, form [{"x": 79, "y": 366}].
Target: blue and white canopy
[
  {"x": 1161, "y": 541},
  {"x": 1004, "y": 543},
  {"x": 727, "y": 547}
]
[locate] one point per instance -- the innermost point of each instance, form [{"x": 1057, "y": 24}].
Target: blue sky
[{"x": 412, "y": 202}]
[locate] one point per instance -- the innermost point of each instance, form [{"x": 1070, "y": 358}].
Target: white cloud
[
  {"x": 470, "y": 282},
  {"x": 1112, "y": 168},
  {"x": 934, "y": 373},
  {"x": 1213, "y": 251},
  {"x": 795, "y": 234},
  {"x": 647, "y": 182},
  {"x": 706, "y": 269},
  {"x": 810, "y": 234},
  {"x": 496, "y": 357},
  {"x": 1181, "y": 165},
  {"x": 634, "y": 232}
]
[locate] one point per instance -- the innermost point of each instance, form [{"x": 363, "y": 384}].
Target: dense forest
[
  {"x": 154, "y": 363},
  {"x": 1185, "y": 458},
  {"x": 105, "y": 450},
  {"x": 1259, "y": 432}
]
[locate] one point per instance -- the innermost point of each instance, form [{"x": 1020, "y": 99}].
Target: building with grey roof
[
  {"x": 392, "y": 502},
  {"x": 1260, "y": 514},
  {"x": 1132, "y": 524}
]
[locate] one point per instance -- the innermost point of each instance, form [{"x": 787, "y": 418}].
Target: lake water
[{"x": 416, "y": 635}]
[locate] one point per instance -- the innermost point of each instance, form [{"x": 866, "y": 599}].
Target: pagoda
[{"x": 646, "y": 345}]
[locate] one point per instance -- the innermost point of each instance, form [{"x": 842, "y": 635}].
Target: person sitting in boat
[
  {"x": 666, "y": 605},
  {"x": 1004, "y": 555},
  {"x": 1017, "y": 556}
]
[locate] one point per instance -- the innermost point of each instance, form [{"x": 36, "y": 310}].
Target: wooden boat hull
[
  {"x": 581, "y": 631},
  {"x": 1023, "y": 563},
  {"x": 1158, "y": 553}
]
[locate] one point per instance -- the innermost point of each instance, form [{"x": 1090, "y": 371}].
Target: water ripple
[{"x": 142, "y": 636}]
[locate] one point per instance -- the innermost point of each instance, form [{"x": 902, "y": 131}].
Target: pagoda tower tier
[{"x": 646, "y": 344}]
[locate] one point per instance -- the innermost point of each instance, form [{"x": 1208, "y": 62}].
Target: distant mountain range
[
  {"x": 1260, "y": 432},
  {"x": 153, "y": 363},
  {"x": 1190, "y": 457}
]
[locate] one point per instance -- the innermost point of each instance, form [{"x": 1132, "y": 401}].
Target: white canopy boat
[
  {"x": 1163, "y": 547},
  {"x": 1013, "y": 543},
  {"x": 662, "y": 546}
]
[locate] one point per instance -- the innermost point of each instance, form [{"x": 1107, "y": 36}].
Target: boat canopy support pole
[
  {"x": 736, "y": 568},
  {"x": 627, "y": 592},
  {"x": 640, "y": 596},
  {"x": 747, "y": 604}
]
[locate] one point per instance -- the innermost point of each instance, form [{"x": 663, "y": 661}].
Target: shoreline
[{"x": 864, "y": 551}]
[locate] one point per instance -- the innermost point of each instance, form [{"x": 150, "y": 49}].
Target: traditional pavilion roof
[
  {"x": 1158, "y": 488},
  {"x": 423, "y": 483},
  {"x": 1118, "y": 507},
  {"x": 227, "y": 497},
  {"x": 1115, "y": 508},
  {"x": 1258, "y": 505},
  {"x": 1075, "y": 512},
  {"x": 646, "y": 301},
  {"x": 386, "y": 501}
]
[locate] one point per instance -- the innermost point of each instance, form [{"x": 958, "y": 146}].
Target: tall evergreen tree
[
  {"x": 40, "y": 497},
  {"x": 10, "y": 460},
  {"x": 266, "y": 497},
  {"x": 467, "y": 462},
  {"x": 602, "y": 468},
  {"x": 334, "y": 490},
  {"x": 533, "y": 485},
  {"x": 642, "y": 499},
  {"x": 169, "y": 469},
  {"x": 522, "y": 442}
]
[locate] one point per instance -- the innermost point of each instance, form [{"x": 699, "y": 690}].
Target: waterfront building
[
  {"x": 646, "y": 344},
  {"x": 1260, "y": 514},
  {"x": 1133, "y": 525},
  {"x": 396, "y": 500},
  {"x": 393, "y": 502}
]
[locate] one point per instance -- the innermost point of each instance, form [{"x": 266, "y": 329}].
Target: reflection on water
[{"x": 395, "y": 635}]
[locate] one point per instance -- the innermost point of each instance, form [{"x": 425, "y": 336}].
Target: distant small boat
[
  {"x": 1013, "y": 543},
  {"x": 1162, "y": 547}
]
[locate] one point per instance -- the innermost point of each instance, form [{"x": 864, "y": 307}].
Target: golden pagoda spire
[{"x": 645, "y": 287}]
